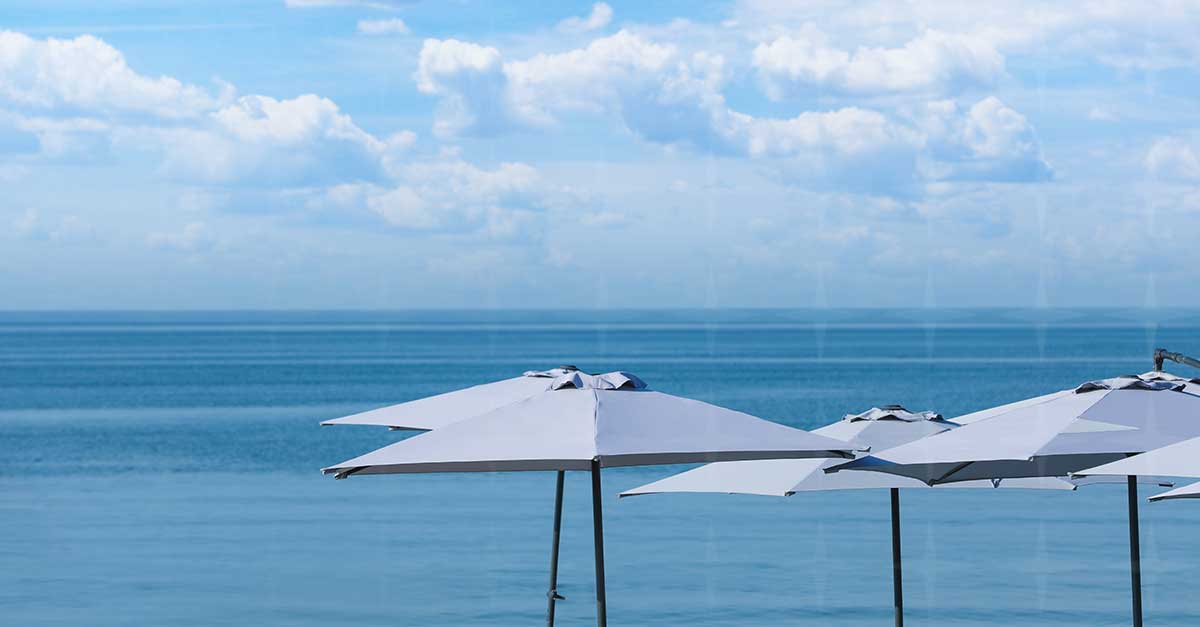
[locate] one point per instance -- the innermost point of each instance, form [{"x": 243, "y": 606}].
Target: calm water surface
[{"x": 161, "y": 469}]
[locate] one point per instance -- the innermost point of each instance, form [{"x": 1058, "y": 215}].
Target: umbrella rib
[
  {"x": 952, "y": 472},
  {"x": 349, "y": 471}
]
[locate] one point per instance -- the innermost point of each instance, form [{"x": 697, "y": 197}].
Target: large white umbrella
[
  {"x": 1181, "y": 459},
  {"x": 1055, "y": 435},
  {"x": 875, "y": 429},
  {"x": 589, "y": 422}
]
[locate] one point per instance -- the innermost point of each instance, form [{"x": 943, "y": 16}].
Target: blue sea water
[{"x": 161, "y": 469}]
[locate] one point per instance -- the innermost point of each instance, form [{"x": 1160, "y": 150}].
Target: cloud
[
  {"x": 393, "y": 26},
  {"x": 471, "y": 82},
  {"x": 1173, "y": 158},
  {"x": 261, "y": 141},
  {"x": 1112, "y": 33},
  {"x": 450, "y": 196},
  {"x": 667, "y": 97},
  {"x": 600, "y": 17},
  {"x": 57, "y": 138},
  {"x": 86, "y": 73},
  {"x": 990, "y": 141},
  {"x": 933, "y": 61},
  {"x": 300, "y": 155}
]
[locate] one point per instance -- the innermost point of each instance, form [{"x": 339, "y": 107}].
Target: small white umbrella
[
  {"x": 1055, "y": 435},
  {"x": 1181, "y": 459},
  {"x": 876, "y": 428},
  {"x": 588, "y": 422}
]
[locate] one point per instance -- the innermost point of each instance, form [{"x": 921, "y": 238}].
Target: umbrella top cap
[
  {"x": 552, "y": 373},
  {"x": 892, "y": 412},
  {"x": 609, "y": 381},
  {"x": 1132, "y": 382},
  {"x": 1166, "y": 376}
]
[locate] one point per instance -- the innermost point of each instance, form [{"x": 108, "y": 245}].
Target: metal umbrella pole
[
  {"x": 1135, "y": 549},
  {"x": 1135, "y": 552},
  {"x": 552, "y": 594},
  {"x": 897, "y": 568},
  {"x": 598, "y": 539}
]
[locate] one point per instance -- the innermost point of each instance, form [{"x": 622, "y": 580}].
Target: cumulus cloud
[
  {"x": 470, "y": 80},
  {"x": 600, "y": 17},
  {"x": 988, "y": 141},
  {"x": 86, "y": 73},
  {"x": 1113, "y": 33},
  {"x": 933, "y": 61},
  {"x": 451, "y": 196},
  {"x": 666, "y": 96},
  {"x": 1173, "y": 158},
  {"x": 269, "y": 155},
  {"x": 61, "y": 139},
  {"x": 393, "y": 26},
  {"x": 258, "y": 140}
]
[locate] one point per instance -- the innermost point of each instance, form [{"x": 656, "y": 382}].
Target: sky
[{"x": 354, "y": 154}]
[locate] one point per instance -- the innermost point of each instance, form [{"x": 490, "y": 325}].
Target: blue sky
[{"x": 347, "y": 154}]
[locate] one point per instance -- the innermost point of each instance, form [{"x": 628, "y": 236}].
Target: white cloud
[
  {"x": 53, "y": 138},
  {"x": 1173, "y": 158},
  {"x": 989, "y": 141},
  {"x": 1113, "y": 33},
  {"x": 600, "y": 17},
  {"x": 304, "y": 155},
  {"x": 450, "y": 196},
  {"x": 469, "y": 79},
  {"x": 667, "y": 97},
  {"x": 933, "y": 61},
  {"x": 261, "y": 141},
  {"x": 595, "y": 78},
  {"x": 392, "y": 26},
  {"x": 86, "y": 73}
]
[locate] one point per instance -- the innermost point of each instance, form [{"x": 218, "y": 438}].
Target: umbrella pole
[
  {"x": 1135, "y": 552},
  {"x": 897, "y": 568},
  {"x": 598, "y": 540},
  {"x": 553, "y": 595}
]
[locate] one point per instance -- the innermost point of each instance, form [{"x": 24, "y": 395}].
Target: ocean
[{"x": 161, "y": 468}]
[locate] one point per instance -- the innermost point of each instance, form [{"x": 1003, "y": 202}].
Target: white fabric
[
  {"x": 608, "y": 381},
  {"x": 1181, "y": 459},
  {"x": 438, "y": 411},
  {"x": 1190, "y": 491},
  {"x": 566, "y": 429},
  {"x": 1190, "y": 384},
  {"x": 892, "y": 412},
  {"x": 784, "y": 477},
  {"x": 1042, "y": 438}
]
